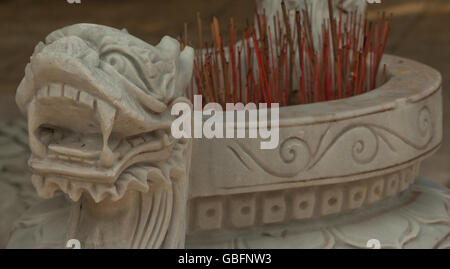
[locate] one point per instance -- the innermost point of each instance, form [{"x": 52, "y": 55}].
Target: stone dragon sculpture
[{"x": 98, "y": 105}]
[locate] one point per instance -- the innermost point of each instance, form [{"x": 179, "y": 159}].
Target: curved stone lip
[{"x": 408, "y": 81}]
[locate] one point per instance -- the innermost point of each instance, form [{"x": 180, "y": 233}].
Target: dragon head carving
[{"x": 98, "y": 106}]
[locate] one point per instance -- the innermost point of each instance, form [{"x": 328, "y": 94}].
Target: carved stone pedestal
[{"x": 417, "y": 218}]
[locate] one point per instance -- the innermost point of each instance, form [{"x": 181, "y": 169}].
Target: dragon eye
[
  {"x": 126, "y": 66},
  {"x": 113, "y": 60},
  {"x": 118, "y": 61}
]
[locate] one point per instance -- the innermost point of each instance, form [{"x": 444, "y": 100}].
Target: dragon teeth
[
  {"x": 86, "y": 99},
  {"x": 42, "y": 92},
  {"x": 106, "y": 114},
  {"x": 44, "y": 189},
  {"x": 66, "y": 91},
  {"x": 55, "y": 89},
  {"x": 70, "y": 92}
]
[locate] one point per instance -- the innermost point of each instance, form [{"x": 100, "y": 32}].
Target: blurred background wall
[{"x": 420, "y": 31}]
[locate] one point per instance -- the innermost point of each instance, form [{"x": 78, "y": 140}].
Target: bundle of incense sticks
[{"x": 286, "y": 65}]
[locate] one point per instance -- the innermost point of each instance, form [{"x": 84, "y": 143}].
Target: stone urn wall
[{"x": 334, "y": 158}]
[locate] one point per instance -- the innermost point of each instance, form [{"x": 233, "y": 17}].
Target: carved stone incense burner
[
  {"x": 98, "y": 104},
  {"x": 345, "y": 172}
]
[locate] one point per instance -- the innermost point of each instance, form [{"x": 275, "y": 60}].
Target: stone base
[{"x": 418, "y": 218}]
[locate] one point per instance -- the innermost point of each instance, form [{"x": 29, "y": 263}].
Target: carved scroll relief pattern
[{"x": 362, "y": 142}]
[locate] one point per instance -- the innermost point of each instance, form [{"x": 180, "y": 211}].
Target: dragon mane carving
[{"x": 98, "y": 105}]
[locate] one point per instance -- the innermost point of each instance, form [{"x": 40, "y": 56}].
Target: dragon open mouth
[{"x": 74, "y": 135}]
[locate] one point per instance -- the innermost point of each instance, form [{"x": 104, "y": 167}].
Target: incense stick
[{"x": 282, "y": 63}]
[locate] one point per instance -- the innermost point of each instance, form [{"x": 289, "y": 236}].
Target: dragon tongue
[{"x": 106, "y": 114}]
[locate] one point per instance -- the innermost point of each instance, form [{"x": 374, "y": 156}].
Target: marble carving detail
[{"x": 98, "y": 104}]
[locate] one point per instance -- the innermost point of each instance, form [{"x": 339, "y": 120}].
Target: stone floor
[{"x": 420, "y": 31}]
